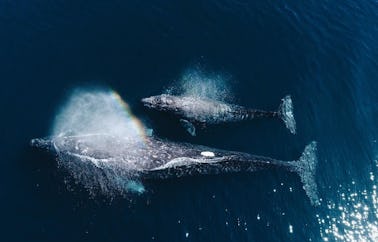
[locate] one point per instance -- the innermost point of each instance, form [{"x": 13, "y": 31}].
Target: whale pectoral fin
[
  {"x": 149, "y": 132},
  {"x": 188, "y": 126}
]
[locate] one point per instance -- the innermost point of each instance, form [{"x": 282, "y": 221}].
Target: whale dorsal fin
[{"x": 188, "y": 126}]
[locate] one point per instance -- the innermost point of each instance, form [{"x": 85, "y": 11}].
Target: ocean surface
[{"x": 323, "y": 53}]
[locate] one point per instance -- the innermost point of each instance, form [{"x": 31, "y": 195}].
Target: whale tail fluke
[
  {"x": 305, "y": 166},
  {"x": 285, "y": 111}
]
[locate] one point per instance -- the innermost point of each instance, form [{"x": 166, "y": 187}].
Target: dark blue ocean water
[{"x": 323, "y": 53}]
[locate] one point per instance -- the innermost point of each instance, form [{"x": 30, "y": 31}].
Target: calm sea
[{"x": 323, "y": 53}]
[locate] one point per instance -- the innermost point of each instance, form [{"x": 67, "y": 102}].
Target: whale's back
[{"x": 205, "y": 110}]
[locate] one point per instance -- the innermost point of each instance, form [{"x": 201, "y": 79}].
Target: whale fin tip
[{"x": 188, "y": 126}]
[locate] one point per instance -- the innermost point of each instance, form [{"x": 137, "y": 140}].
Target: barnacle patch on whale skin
[{"x": 207, "y": 154}]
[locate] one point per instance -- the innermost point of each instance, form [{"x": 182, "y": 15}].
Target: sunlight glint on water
[{"x": 354, "y": 217}]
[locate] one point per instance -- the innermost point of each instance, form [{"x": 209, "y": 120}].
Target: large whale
[
  {"x": 198, "y": 111},
  {"x": 107, "y": 161}
]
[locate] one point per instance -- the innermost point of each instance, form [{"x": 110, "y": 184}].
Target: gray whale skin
[
  {"x": 155, "y": 158},
  {"x": 201, "y": 111}
]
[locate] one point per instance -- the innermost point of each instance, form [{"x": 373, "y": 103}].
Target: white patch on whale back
[{"x": 207, "y": 154}]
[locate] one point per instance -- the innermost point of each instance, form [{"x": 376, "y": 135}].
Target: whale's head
[{"x": 160, "y": 102}]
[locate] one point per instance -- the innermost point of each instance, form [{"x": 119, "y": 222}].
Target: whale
[
  {"x": 109, "y": 161},
  {"x": 198, "y": 111}
]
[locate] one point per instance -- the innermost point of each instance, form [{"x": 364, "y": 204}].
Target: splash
[
  {"x": 198, "y": 83},
  {"x": 92, "y": 115}
]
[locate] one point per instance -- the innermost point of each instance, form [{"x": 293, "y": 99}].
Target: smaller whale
[{"x": 197, "y": 111}]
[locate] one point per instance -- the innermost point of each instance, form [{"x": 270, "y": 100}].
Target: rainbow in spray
[
  {"x": 98, "y": 113},
  {"x": 94, "y": 111},
  {"x": 134, "y": 121}
]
